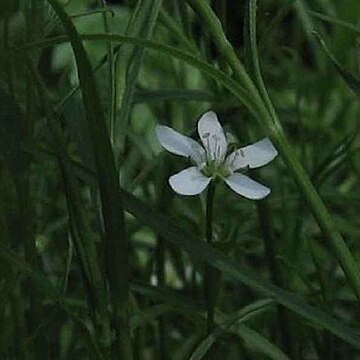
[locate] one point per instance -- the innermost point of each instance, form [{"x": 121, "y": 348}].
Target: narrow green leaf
[
  {"x": 235, "y": 324},
  {"x": 17, "y": 264},
  {"x": 351, "y": 81},
  {"x": 258, "y": 342},
  {"x": 117, "y": 257},
  {"x": 335, "y": 158},
  {"x": 80, "y": 228},
  {"x": 111, "y": 65},
  {"x": 301, "y": 8},
  {"x": 167, "y": 21},
  {"x": 171, "y": 94},
  {"x": 168, "y": 296},
  {"x": 220, "y": 76},
  {"x": 254, "y": 53},
  {"x": 143, "y": 316},
  {"x": 335, "y": 21},
  {"x": 128, "y": 65},
  {"x": 203, "y": 348}
]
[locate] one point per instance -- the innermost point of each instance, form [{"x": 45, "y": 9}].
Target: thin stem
[
  {"x": 284, "y": 330},
  {"x": 210, "y": 287},
  {"x": 111, "y": 72},
  {"x": 160, "y": 274},
  {"x": 164, "y": 200}
]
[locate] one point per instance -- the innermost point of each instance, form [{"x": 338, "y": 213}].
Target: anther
[{"x": 208, "y": 149}]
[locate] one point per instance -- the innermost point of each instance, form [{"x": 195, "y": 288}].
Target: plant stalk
[{"x": 210, "y": 287}]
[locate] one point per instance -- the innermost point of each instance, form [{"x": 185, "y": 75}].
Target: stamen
[
  {"x": 234, "y": 158},
  {"x": 215, "y": 139},
  {"x": 217, "y": 149},
  {"x": 239, "y": 152},
  {"x": 207, "y": 145},
  {"x": 208, "y": 150}
]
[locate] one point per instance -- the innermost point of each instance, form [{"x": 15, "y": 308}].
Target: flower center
[{"x": 214, "y": 169}]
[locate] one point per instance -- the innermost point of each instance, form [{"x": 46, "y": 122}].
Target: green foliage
[{"x": 99, "y": 258}]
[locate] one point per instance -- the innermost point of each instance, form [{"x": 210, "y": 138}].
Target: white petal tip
[
  {"x": 175, "y": 188},
  {"x": 264, "y": 194},
  {"x": 210, "y": 113},
  {"x": 271, "y": 148},
  {"x": 259, "y": 195},
  {"x": 247, "y": 187},
  {"x": 209, "y": 117}
]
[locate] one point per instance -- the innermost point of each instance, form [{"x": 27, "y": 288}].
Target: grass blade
[
  {"x": 117, "y": 259},
  {"x": 83, "y": 238},
  {"x": 350, "y": 80},
  {"x": 128, "y": 65}
]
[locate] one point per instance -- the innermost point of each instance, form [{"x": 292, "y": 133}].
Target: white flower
[{"x": 211, "y": 160}]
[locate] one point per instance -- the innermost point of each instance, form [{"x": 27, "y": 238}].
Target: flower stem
[{"x": 210, "y": 287}]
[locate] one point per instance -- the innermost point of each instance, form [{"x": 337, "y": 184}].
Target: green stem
[
  {"x": 160, "y": 273},
  {"x": 111, "y": 71},
  {"x": 210, "y": 287},
  {"x": 284, "y": 327}
]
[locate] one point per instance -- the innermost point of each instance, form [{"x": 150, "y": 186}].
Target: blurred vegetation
[{"x": 99, "y": 258}]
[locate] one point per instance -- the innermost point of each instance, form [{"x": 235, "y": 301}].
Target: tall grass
[{"x": 99, "y": 258}]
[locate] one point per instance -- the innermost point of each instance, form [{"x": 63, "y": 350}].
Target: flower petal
[
  {"x": 180, "y": 144},
  {"x": 247, "y": 187},
  {"x": 212, "y": 136},
  {"x": 189, "y": 181},
  {"x": 253, "y": 156}
]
